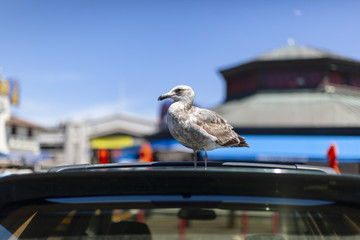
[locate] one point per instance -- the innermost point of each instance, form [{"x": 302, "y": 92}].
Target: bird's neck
[{"x": 182, "y": 105}]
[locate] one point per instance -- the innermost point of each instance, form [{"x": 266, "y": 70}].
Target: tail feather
[
  {"x": 242, "y": 143},
  {"x": 238, "y": 141}
]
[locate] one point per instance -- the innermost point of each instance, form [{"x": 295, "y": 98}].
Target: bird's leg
[
  {"x": 205, "y": 159},
  {"x": 195, "y": 158}
]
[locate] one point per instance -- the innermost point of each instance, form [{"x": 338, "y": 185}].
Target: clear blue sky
[{"x": 92, "y": 58}]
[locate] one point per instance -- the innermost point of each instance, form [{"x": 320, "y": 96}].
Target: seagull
[{"x": 197, "y": 128}]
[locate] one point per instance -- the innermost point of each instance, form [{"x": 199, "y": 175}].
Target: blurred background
[{"x": 80, "y": 79}]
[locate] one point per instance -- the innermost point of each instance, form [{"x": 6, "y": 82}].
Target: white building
[
  {"x": 4, "y": 117},
  {"x": 22, "y": 140},
  {"x": 79, "y": 142},
  {"x": 8, "y": 97},
  {"x": 25, "y": 143}
]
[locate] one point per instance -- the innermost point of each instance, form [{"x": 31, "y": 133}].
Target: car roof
[{"x": 110, "y": 180}]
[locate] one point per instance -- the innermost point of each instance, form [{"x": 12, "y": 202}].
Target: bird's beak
[{"x": 164, "y": 96}]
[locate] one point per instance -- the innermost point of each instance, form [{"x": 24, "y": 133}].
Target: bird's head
[{"x": 180, "y": 93}]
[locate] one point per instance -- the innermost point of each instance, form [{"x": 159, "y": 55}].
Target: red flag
[
  {"x": 332, "y": 158},
  {"x": 146, "y": 153}
]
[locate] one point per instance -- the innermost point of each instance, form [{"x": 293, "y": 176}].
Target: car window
[{"x": 164, "y": 217}]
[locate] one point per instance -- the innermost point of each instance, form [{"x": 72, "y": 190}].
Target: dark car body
[{"x": 176, "y": 201}]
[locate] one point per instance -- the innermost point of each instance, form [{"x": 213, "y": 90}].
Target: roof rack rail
[{"x": 80, "y": 167}]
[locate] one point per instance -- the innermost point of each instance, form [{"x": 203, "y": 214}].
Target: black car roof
[{"x": 188, "y": 182}]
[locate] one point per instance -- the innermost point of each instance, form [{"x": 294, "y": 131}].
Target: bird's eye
[{"x": 178, "y": 91}]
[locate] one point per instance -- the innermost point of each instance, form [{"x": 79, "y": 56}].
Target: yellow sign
[
  {"x": 14, "y": 97},
  {"x": 4, "y": 87},
  {"x": 112, "y": 142},
  {"x": 10, "y": 88}
]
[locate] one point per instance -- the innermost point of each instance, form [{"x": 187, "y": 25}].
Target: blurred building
[
  {"x": 118, "y": 138},
  {"x": 22, "y": 139},
  {"x": 4, "y": 117},
  {"x": 8, "y": 97},
  {"x": 292, "y": 104},
  {"x": 110, "y": 139},
  {"x": 105, "y": 140},
  {"x": 52, "y": 146},
  {"x": 305, "y": 87}
]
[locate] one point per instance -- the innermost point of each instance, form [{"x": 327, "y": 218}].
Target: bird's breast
[{"x": 181, "y": 127}]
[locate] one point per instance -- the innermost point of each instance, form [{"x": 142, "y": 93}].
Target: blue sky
[{"x": 78, "y": 59}]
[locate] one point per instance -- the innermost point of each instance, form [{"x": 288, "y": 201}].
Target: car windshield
[{"x": 180, "y": 217}]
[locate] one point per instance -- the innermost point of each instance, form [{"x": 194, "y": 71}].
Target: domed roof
[{"x": 298, "y": 53}]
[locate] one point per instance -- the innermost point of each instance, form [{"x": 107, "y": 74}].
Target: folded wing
[{"x": 217, "y": 126}]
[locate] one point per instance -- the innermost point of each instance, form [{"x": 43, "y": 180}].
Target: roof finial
[{"x": 291, "y": 42}]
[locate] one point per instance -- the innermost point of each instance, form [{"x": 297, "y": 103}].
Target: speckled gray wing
[{"x": 218, "y": 127}]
